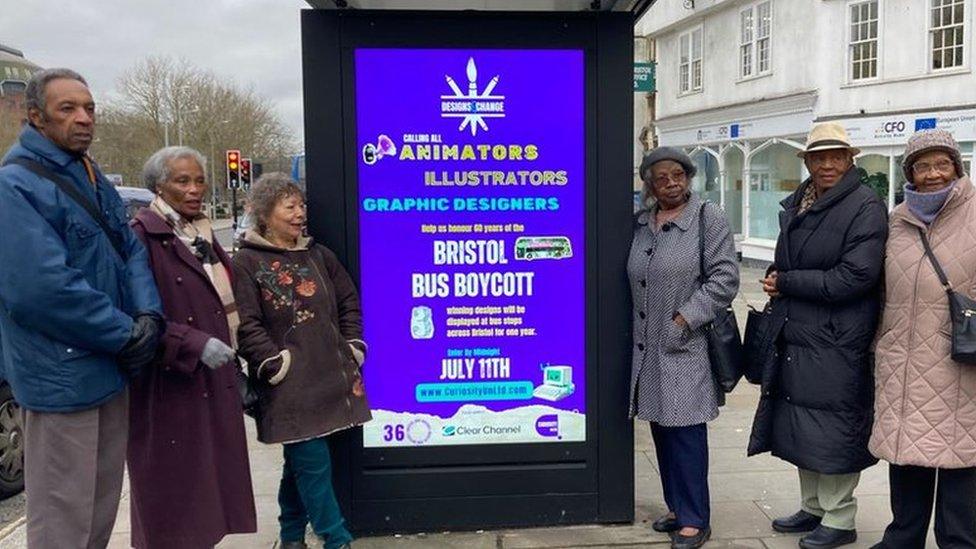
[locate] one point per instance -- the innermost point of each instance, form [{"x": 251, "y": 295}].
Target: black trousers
[
  {"x": 682, "y": 457},
  {"x": 913, "y": 490}
]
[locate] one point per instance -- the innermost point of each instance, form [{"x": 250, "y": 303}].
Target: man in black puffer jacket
[{"x": 817, "y": 389}]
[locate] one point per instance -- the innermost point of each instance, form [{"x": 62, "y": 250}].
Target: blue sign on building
[{"x": 925, "y": 123}]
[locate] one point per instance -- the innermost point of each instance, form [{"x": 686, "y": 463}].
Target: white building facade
[{"x": 741, "y": 82}]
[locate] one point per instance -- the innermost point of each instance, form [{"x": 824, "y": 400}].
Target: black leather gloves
[{"x": 138, "y": 353}]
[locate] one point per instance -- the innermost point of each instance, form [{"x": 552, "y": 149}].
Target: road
[{"x": 224, "y": 235}]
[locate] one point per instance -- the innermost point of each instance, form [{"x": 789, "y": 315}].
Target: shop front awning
[{"x": 635, "y": 7}]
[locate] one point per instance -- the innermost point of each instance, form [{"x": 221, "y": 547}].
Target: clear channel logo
[
  {"x": 484, "y": 430},
  {"x": 475, "y": 106}
]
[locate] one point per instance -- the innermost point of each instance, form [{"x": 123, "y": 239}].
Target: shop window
[
  {"x": 900, "y": 181},
  {"x": 863, "y": 40},
  {"x": 873, "y": 169},
  {"x": 774, "y": 173},
  {"x": 690, "y": 68},
  {"x": 966, "y": 148},
  {"x": 733, "y": 188},
  {"x": 706, "y": 181},
  {"x": 755, "y": 28},
  {"x": 947, "y": 31}
]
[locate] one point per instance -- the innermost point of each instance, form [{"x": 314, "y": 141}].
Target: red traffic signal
[{"x": 246, "y": 173}]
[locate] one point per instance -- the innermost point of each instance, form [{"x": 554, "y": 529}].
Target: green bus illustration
[{"x": 542, "y": 247}]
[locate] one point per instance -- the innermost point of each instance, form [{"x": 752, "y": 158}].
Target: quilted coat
[
  {"x": 816, "y": 405},
  {"x": 925, "y": 403}
]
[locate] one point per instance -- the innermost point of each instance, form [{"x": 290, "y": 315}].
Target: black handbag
[
  {"x": 754, "y": 342},
  {"x": 245, "y": 387},
  {"x": 724, "y": 344},
  {"x": 962, "y": 313}
]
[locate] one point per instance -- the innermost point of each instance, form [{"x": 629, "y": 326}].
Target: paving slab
[
  {"x": 580, "y": 536},
  {"x": 477, "y": 540}
]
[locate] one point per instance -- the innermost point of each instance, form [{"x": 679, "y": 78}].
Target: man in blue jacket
[{"x": 79, "y": 313}]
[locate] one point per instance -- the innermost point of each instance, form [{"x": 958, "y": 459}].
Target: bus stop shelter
[{"x": 472, "y": 169}]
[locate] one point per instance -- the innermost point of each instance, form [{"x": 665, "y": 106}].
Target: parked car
[
  {"x": 11, "y": 420},
  {"x": 11, "y": 444},
  {"x": 134, "y": 198}
]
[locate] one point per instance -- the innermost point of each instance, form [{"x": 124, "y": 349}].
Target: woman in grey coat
[{"x": 673, "y": 301}]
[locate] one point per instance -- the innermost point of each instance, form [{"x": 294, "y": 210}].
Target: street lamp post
[{"x": 213, "y": 176}]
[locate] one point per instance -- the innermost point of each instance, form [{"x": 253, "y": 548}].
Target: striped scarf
[{"x": 197, "y": 236}]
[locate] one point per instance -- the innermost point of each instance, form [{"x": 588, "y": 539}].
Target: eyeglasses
[
  {"x": 941, "y": 166},
  {"x": 677, "y": 176}
]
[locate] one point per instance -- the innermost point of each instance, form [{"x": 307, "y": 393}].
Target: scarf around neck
[
  {"x": 926, "y": 206},
  {"x": 197, "y": 236}
]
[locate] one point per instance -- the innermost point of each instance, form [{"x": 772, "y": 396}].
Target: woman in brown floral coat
[{"x": 301, "y": 334}]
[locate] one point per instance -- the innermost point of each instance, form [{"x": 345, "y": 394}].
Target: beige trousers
[
  {"x": 830, "y": 497},
  {"x": 73, "y": 465}
]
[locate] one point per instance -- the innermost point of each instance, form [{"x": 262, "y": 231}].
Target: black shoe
[
  {"x": 690, "y": 542},
  {"x": 825, "y": 537},
  {"x": 665, "y": 524},
  {"x": 292, "y": 545},
  {"x": 800, "y": 521}
]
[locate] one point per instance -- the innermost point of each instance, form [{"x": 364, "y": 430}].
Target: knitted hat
[
  {"x": 927, "y": 141},
  {"x": 667, "y": 153}
]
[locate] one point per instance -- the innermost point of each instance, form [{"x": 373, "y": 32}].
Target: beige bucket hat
[{"x": 826, "y": 136}]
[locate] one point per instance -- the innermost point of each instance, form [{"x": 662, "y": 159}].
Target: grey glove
[{"x": 216, "y": 353}]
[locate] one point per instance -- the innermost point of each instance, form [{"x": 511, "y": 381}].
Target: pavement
[{"x": 746, "y": 493}]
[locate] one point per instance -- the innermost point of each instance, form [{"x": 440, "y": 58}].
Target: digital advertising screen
[{"x": 471, "y": 242}]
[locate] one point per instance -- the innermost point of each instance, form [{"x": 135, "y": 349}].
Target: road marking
[{"x": 13, "y": 526}]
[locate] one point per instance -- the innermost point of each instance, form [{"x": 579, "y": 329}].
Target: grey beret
[{"x": 667, "y": 153}]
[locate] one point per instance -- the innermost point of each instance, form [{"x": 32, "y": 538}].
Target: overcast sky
[{"x": 255, "y": 42}]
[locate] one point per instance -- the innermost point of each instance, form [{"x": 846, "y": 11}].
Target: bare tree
[{"x": 161, "y": 100}]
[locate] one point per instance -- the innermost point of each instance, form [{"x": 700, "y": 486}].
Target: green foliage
[{"x": 877, "y": 181}]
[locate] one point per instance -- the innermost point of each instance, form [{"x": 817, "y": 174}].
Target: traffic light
[
  {"x": 246, "y": 173},
  {"x": 234, "y": 169}
]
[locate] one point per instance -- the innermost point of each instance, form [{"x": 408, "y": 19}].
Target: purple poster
[{"x": 471, "y": 186}]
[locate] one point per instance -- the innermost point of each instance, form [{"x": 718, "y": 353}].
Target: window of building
[
  {"x": 947, "y": 32},
  {"x": 690, "y": 68},
  {"x": 755, "y": 27},
  {"x": 734, "y": 159},
  {"x": 967, "y": 157},
  {"x": 873, "y": 169},
  {"x": 775, "y": 173},
  {"x": 706, "y": 181},
  {"x": 12, "y": 87},
  {"x": 863, "y": 40}
]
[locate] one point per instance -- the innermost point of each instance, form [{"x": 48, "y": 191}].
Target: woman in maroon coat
[{"x": 188, "y": 467}]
